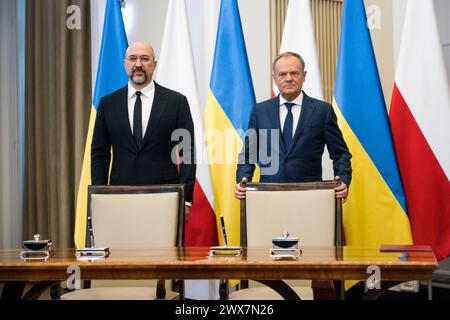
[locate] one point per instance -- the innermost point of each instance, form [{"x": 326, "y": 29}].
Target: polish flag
[
  {"x": 298, "y": 36},
  {"x": 420, "y": 122},
  {"x": 177, "y": 72}
]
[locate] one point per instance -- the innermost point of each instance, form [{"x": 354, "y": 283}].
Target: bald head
[
  {"x": 140, "y": 64},
  {"x": 141, "y": 47}
]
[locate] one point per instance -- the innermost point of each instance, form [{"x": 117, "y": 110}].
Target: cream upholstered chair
[
  {"x": 133, "y": 217},
  {"x": 309, "y": 211}
]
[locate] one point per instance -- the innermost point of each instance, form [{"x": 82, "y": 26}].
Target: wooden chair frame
[
  {"x": 163, "y": 188},
  {"x": 323, "y": 290}
]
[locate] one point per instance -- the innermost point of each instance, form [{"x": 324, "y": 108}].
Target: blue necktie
[
  {"x": 288, "y": 126},
  {"x": 137, "y": 120}
]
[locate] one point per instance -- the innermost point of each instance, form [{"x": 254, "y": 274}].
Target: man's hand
[
  {"x": 187, "y": 211},
  {"x": 239, "y": 189},
  {"x": 341, "y": 190}
]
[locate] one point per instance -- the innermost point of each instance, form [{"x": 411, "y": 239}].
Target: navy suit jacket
[
  {"x": 316, "y": 128},
  {"x": 152, "y": 163}
]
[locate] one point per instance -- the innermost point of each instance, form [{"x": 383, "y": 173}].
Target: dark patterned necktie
[
  {"x": 288, "y": 126},
  {"x": 137, "y": 119}
]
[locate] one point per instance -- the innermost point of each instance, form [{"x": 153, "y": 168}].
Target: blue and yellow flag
[
  {"x": 375, "y": 212},
  {"x": 111, "y": 76},
  {"x": 230, "y": 100}
]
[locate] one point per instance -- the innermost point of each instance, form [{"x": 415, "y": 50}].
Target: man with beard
[{"x": 137, "y": 122}]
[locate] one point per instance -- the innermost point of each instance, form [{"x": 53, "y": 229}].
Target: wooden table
[{"x": 318, "y": 263}]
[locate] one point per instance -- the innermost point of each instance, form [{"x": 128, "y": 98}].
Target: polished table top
[{"x": 320, "y": 263}]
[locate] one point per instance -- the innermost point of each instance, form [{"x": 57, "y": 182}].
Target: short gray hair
[{"x": 288, "y": 54}]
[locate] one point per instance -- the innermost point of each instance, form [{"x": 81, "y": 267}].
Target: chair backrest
[
  {"x": 136, "y": 216},
  {"x": 309, "y": 211}
]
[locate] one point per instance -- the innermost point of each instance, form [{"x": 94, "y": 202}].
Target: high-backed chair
[
  {"x": 309, "y": 211},
  {"x": 133, "y": 217}
]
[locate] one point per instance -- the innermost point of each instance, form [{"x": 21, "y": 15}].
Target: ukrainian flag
[
  {"x": 111, "y": 76},
  {"x": 375, "y": 212},
  {"x": 229, "y": 102}
]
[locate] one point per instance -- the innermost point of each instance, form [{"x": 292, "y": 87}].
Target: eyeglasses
[{"x": 144, "y": 59}]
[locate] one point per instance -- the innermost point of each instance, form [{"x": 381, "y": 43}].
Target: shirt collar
[
  {"x": 297, "y": 101},
  {"x": 146, "y": 91}
]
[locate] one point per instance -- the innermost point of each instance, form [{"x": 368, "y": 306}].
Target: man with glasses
[{"x": 137, "y": 122}]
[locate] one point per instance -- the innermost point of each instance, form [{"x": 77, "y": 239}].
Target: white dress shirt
[
  {"x": 296, "y": 109},
  {"x": 148, "y": 93}
]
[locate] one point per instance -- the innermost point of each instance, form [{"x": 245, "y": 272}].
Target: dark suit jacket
[
  {"x": 303, "y": 162},
  {"x": 151, "y": 164}
]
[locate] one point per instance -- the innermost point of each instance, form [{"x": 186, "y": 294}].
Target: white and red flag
[
  {"x": 420, "y": 122},
  {"x": 177, "y": 72}
]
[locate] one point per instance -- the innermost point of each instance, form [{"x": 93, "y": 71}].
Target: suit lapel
[
  {"x": 273, "y": 112},
  {"x": 305, "y": 115},
  {"x": 158, "y": 107},
  {"x": 124, "y": 118}
]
